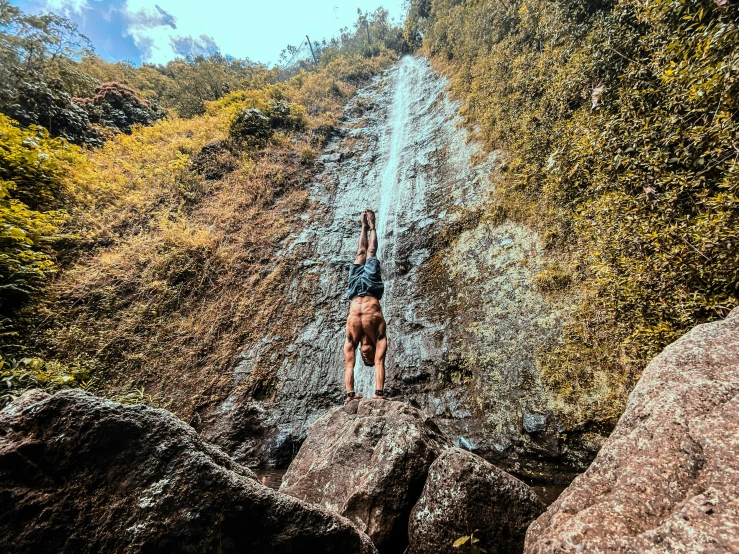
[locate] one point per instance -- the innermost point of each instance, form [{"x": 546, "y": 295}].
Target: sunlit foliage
[
  {"x": 17, "y": 376},
  {"x": 620, "y": 122},
  {"x": 33, "y": 169}
]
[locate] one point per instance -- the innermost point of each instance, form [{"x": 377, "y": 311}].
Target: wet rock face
[
  {"x": 82, "y": 474},
  {"x": 464, "y": 493},
  {"x": 255, "y": 436},
  {"x": 464, "y": 320},
  {"x": 368, "y": 462},
  {"x": 667, "y": 480}
]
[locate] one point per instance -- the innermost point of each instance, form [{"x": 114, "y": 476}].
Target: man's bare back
[{"x": 365, "y": 325}]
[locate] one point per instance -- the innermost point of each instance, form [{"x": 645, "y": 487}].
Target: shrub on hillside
[
  {"x": 284, "y": 115},
  {"x": 45, "y": 104},
  {"x": 255, "y": 126},
  {"x": 119, "y": 107},
  {"x": 250, "y": 125},
  {"x": 32, "y": 169}
]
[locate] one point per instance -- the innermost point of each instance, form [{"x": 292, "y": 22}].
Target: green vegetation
[
  {"x": 33, "y": 168},
  {"x": 33, "y": 373},
  {"x": 619, "y": 119}
]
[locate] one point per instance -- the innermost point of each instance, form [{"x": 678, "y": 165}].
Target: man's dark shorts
[{"x": 365, "y": 280}]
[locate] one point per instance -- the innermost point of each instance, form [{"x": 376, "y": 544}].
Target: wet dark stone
[
  {"x": 534, "y": 423},
  {"x": 79, "y": 474}
]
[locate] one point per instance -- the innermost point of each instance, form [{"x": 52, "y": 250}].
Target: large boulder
[
  {"x": 465, "y": 493},
  {"x": 82, "y": 474},
  {"x": 368, "y": 461},
  {"x": 667, "y": 480}
]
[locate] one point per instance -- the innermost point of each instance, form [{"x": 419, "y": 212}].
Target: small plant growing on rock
[
  {"x": 17, "y": 376},
  {"x": 471, "y": 540}
]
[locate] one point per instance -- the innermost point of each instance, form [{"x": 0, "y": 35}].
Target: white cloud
[
  {"x": 151, "y": 27},
  {"x": 67, "y": 7}
]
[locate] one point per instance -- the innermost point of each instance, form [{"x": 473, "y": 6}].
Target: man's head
[{"x": 367, "y": 351}]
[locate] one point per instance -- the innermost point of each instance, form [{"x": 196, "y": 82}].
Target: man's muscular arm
[
  {"x": 380, "y": 351},
  {"x": 350, "y": 353}
]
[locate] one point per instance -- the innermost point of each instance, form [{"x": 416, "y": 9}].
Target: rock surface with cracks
[
  {"x": 464, "y": 494},
  {"x": 667, "y": 480},
  {"x": 83, "y": 474},
  {"x": 368, "y": 461}
]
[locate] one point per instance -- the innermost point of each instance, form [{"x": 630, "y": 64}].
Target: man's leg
[
  {"x": 363, "y": 243},
  {"x": 372, "y": 243}
]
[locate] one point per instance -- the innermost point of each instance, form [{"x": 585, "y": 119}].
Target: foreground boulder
[
  {"x": 82, "y": 474},
  {"x": 464, "y": 493},
  {"x": 667, "y": 480},
  {"x": 368, "y": 461}
]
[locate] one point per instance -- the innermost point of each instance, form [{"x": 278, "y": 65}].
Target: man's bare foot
[
  {"x": 370, "y": 218},
  {"x": 363, "y": 219},
  {"x": 375, "y": 397}
]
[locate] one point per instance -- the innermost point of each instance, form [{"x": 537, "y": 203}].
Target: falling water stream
[{"x": 395, "y": 190}]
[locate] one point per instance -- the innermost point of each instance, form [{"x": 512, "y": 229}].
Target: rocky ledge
[
  {"x": 386, "y": 467},
  {"x": 82, "y": 474},
  {"x": 667, "y": 480},
  {"x": 368, "y": 461}
]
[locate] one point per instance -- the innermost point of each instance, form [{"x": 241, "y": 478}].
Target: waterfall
[
  {"x": 397, "y": 131},
  {"x": 392, "y": 187}
]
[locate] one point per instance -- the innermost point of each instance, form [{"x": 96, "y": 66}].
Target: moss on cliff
[{"x": 619, "y": 120}]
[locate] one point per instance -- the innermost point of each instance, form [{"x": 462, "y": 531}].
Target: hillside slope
[
  {"x": 175, "y": 265},
  {"x": 620, "y": 120}
]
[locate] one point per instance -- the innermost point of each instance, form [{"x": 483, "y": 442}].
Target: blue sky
[{"x": 143, "y": 31}]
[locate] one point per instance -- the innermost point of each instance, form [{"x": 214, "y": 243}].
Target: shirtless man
[{"x": 365, "y": 325}]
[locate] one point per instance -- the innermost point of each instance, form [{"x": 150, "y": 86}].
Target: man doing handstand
[{"x": 365, "y": 325}]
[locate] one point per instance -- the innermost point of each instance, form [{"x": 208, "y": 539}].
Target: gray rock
[
  {"x": 368, "y": 462},
  {"x": 464, "y": 493},
  {"x": 82, "y": 474},
  {"x": 534, "y": 423},
  {"x": 667, "y": 480}
]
